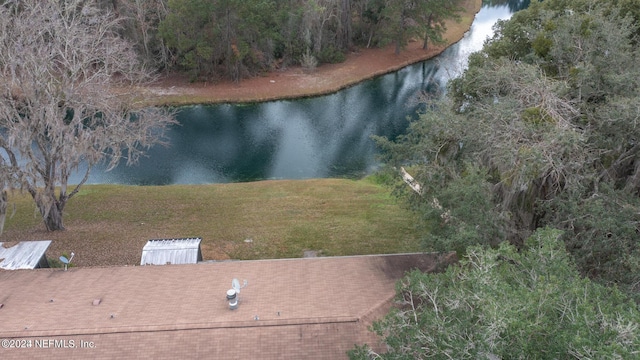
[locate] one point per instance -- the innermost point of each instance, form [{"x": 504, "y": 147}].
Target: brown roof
[{"x": 291, "y": 308}]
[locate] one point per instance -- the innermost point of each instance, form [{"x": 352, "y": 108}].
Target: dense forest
[
  {"x": 234, "y": 39},
  {"x": 530, "y": 170}
]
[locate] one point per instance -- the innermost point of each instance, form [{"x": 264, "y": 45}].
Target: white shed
[
  {"x": 24, "y": 255},
  {"x": 171, "y": 251}
]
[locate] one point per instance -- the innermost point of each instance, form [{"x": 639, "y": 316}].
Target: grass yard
[{"x": 109, "y": 224}]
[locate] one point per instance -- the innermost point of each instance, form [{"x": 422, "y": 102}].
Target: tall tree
[
  {"x": 366, "y": 18},
  {"x": 64, "y": 75},
  {"x": 142, "y": 20},
  {"x": 318, "y": 13},
  {"x": 224, "y": 37},
  {"x": 433, "y": 15},
  {"x": 345, "y": 34},
  {"x": 249, "y": 31},
  {"x": 398, "y": 25},
  {"x": 189, "y": 30},
  {"x": 424, "y": 19}
]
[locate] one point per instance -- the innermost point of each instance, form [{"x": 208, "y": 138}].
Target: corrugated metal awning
[
  {"x": 171, "y": 251},
  {"x": 24, "y": 255}
]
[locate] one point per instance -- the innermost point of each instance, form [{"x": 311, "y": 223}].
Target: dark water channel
[{"x": 327, "y": 136}]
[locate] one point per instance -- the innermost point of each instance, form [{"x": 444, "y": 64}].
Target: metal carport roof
[
  {"x": 171, "y": 251},
  {"x": 24, "y": 255}
]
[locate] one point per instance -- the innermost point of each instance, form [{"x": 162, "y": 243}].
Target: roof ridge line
[
  {"x": 388, "y": 301},
  {"x": 179, "y": 327}
]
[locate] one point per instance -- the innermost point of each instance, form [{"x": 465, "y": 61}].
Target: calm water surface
[{"x": 327, "y": 136}]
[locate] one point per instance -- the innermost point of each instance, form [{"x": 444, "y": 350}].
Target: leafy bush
[{"x": 331, "y": 55}]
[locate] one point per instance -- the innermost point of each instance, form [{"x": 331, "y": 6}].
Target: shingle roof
[{"x": 291, "y": 308}]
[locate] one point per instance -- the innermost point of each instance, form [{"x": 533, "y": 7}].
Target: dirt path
[{"x": 293, "y": 82}]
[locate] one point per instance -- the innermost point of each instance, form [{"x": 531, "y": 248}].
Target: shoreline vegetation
[{"x": 296, "y": 82}]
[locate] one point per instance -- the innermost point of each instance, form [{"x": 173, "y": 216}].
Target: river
[{"x": 326, "y": 136}]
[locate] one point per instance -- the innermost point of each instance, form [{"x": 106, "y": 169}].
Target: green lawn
[{"x": 109, "y": 224}]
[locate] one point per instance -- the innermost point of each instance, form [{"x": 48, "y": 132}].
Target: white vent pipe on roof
[{"x": 232, "y": 297}]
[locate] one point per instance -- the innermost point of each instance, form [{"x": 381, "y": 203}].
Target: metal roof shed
[
  {"x": 171, "y": 251},
  {"x": 24, "y": 255}
]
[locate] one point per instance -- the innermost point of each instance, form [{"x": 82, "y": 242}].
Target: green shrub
[{"x": 331, "y": 55}]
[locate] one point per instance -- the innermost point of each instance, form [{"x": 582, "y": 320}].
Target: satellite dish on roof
[
  {"x": 235, "y": 284},
  {"x": 66, "y": 261}
]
